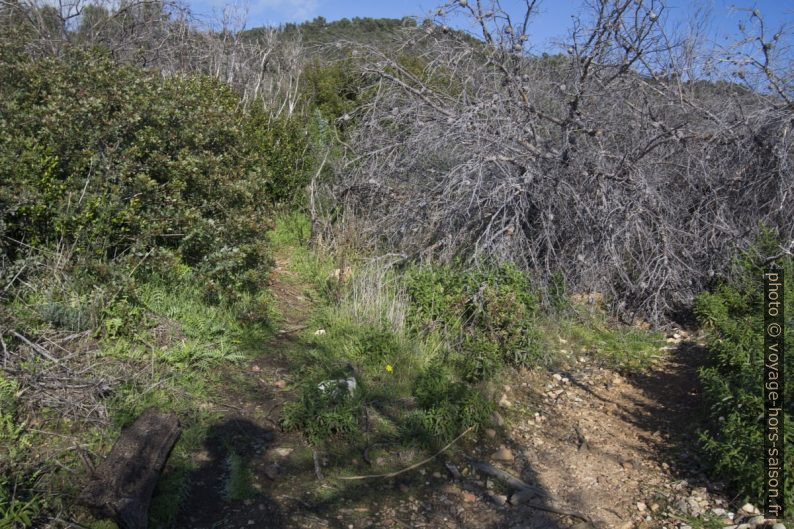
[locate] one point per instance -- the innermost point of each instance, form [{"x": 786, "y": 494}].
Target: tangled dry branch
[
  {"x": 635, "y": 163},
  {"x": 54, "y": 372}
]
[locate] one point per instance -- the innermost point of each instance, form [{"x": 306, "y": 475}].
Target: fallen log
[{"x": 121, "y": 486}]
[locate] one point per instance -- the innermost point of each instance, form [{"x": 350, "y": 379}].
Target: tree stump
[{"x": 121, "y": 486}]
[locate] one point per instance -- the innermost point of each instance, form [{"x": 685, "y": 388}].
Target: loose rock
[
  {"x": 453, "y": 470},
  {"x": 282, "y": 451},
  {"x": 503, "y": 454},
  {"x": 498, "y": 499}
]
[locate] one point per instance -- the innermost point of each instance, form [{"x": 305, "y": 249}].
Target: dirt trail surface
[{"x": 599, "y": 449}]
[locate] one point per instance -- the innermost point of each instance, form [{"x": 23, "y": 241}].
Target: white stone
[{"x": 334, "y": 386}]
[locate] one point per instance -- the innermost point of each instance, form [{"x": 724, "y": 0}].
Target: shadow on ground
[
  {"x": 272, "y": 491},
  {"x": 220, "y": 493},
  {"x": 675, "y": 411},
  {"x": 665, "y": 410}
]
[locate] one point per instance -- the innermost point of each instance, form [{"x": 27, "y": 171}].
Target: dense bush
[
  {"x": 111, "y": 161},
  {"x": 129, "y": 204},
  {"x": 733, "y": 378},
  {"x": 486, "y": 316}
]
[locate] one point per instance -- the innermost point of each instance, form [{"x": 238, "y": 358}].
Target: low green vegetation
[
  {"x": 592, "y": 335},
  {"x": 163, "y": 345},
  {"x": 732, "y": 312},
  {"x": 427, "y": 346},
  {"x": 238, "y": 483},
  {"x": 291, "y": 239},
  {"x": 403, "y": 394},
  {"x": 19, "y": 506},
  {"x": 367, "y": 328}
]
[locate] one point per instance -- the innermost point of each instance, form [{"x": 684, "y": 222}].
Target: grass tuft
[{"x": 593, "y": 336}]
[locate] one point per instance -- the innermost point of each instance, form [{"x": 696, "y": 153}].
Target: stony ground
[{"x": 583, "y": 448}]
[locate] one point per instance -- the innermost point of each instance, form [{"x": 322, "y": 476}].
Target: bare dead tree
[
  {"x": 165, "y": 35},
  {"x": 621, "y": 163}
]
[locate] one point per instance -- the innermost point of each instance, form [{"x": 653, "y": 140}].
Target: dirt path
[
  {"x": 619, "y": 448},
  {"x": 245, "y": 454},
  {"x": 611, "y": 448}
]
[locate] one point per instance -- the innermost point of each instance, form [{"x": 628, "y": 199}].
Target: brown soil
[{"x": 597, "y": 443}]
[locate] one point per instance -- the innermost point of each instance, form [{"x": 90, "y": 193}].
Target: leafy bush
[
  {"x": 733, "y": 378},
  {"x": 486, "y": 316},
  {"x": 112, "y": 161},
  {"x": 130, "y": 205}
]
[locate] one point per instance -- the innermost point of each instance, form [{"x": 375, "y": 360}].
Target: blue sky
[{"x": 553, "y": 18}]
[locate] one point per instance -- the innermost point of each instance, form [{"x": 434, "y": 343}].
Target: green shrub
[
  {"x": 446, "y": 407},
  {"x": 326, "y": 412},
  {"x": 487, "y": 316},
  {"x": 111, "y": 162},
  {"x": 732, "y": 311},
  {"x": 281, "y": 145}
]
